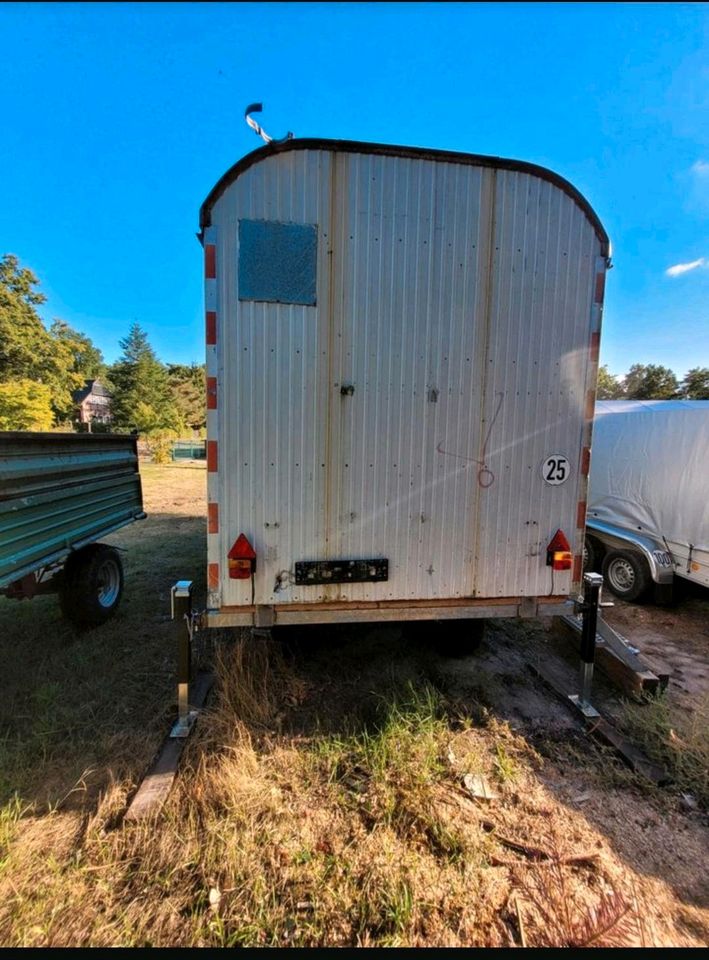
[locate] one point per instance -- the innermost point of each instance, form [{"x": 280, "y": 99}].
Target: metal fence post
[{"x": 181, "y": 598}]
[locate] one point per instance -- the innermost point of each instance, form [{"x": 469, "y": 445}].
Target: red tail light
[
  {"x": 242, "y": 559},
  {"x": 559, "y": 555}
]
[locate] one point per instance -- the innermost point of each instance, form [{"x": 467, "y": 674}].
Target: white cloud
[
  {"x": 679, "y": 268},
  {"x": 701, "y": 168}
]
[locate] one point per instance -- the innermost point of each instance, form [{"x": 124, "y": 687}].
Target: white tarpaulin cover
[{"x": 650, "y": 468}]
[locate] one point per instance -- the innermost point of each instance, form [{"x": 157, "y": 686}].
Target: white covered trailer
[
  {"x": 402, "y": 350},
  {"x": 648, "y": 504}
]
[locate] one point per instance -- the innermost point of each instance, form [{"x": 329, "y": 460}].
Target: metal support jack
[
  {"x": 592, "y": 583},
  {"x": 181, "y": 605}
]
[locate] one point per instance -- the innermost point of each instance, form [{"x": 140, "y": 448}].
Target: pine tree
[
  {"x": 142, "y": 398},
  {"x": 608, "y": 388},
  {"x": 188, "y": 388},
  {"x": 651, "y": 382},
  {"x": 695, "y": 385}
]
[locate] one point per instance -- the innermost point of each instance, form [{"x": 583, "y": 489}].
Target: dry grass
[
  {"x": 74, "y": 702},
  {"x": 557, "y": 915},
  {"x": 274, "y": 838},
  {"x": 320, "y": 803},
  {"x": 675, "y": 738}
]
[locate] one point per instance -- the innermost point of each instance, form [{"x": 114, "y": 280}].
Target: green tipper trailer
[{"x": 59, "y": 494}]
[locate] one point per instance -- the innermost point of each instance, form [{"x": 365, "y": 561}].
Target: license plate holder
[{"x": 312, "y": 572}]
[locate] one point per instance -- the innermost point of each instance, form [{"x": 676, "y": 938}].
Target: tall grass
[{"x": 675, "y": 738}]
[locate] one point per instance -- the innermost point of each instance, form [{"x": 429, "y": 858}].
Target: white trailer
[
  {"x": 648, "y": 505},
  {"x": 402, "y": 350}
]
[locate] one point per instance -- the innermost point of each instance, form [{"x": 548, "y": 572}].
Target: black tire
[
  {"x": 626, "y": 574},
  {"x": 92, "y": 585},
  {"x": 592, "y": 554}
]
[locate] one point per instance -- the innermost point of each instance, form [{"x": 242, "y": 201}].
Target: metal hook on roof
[{"x": 257, "y": 108}]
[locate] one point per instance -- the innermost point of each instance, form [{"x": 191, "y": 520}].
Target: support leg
[
  {"x": 182, "y": 617},
  {"x": 592, "y": 583}
]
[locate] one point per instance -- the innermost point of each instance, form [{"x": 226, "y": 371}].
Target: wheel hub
[
  {"x": 109, "y": 583},
  {"x": 621, "y": 575}
]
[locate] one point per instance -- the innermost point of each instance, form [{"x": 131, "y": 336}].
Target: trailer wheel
[
  {"x": 626, "y": 574},
  {"x": 93, "y": 585},
  {"x": 591, "y": 555}
]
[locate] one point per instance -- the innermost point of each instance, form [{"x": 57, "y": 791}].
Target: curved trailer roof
[{"x": 414, "y": 153}]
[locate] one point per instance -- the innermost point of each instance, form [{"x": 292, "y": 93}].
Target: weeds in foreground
[
  {"x": 675, "y": 739},
  {"x": 557, "y": 916},
  {"x": 10, "y": 814}
]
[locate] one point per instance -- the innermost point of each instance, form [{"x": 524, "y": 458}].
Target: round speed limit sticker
[{"x": 555, "y": 469}]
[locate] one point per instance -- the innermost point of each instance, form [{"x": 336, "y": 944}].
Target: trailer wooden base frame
[{"x": 363, "y": 612}]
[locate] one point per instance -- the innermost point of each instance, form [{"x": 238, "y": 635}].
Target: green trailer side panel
[{"x": 60, "y": 491}]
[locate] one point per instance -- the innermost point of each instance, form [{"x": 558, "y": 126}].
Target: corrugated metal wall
[{"x": 457, "y": 301}]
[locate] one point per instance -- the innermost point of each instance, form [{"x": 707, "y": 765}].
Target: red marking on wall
[
  {"x": 212, "y": 518},
  {"x": 585, "y": 461},
  {"x": 210, "y": 261},
  {"x": 576, "y": 573},
  {"x": 590, "y": 404},
  {"x": 211, "y": 393},
  {"x": 211, "y": 456},
  {"x": 595, "y": 346},
  {"x": 212, "y": 576},
  {"x": 581, "y": 515},
  {"x": 211, "y": 328},
  {"x": 600, "y": 287}
]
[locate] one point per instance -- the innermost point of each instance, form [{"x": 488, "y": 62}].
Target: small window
[{"x": 277, "y": 261}]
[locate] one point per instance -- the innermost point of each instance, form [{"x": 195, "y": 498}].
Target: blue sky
[{"x": 119, "y": 118}]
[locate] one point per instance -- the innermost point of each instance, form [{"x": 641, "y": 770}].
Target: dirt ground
[
  {"x": 649, "y": 830},
  {"x": 673, "y": 638},
  {"x": 83, "y": 715}
]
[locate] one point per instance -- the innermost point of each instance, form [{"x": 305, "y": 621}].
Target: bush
[{"x": 160, "y": 446}]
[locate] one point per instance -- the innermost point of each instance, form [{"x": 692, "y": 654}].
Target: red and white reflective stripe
[
  {"x": 210, "y": 261},
  {"x": 211, "y": 325},
  {"x": 599, "y": 284},
  {"x": 590, "y": 405},
  {"x": 585, "y": 461},
  {"x": 212, "y": 456},
  {"x": 581, "y": 515},
  {"x": 211, "y": 393}
]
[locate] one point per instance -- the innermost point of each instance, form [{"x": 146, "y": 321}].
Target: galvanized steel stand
[
  {"x": 191, "y": 697},
  {"x": 592, "y": 583},
  {"x": 182, "y": 616}
]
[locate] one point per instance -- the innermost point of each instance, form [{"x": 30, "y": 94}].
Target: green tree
[
  {"x": 695, "y": 385},
  {"x": 86, "y": 358},
  {"x": 142, "y": 398},
  {"x": 188, "y": 388},
  {"x": 608, "y": 386},
  {"x": 60, "y": 358},
  {"x": 651, "y": 382},
  {"x": 25, "y": 405},
  {"x": 24, "y": 341}
]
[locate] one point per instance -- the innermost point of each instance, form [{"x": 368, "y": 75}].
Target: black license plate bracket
[{"x": 312, "y": 572}]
